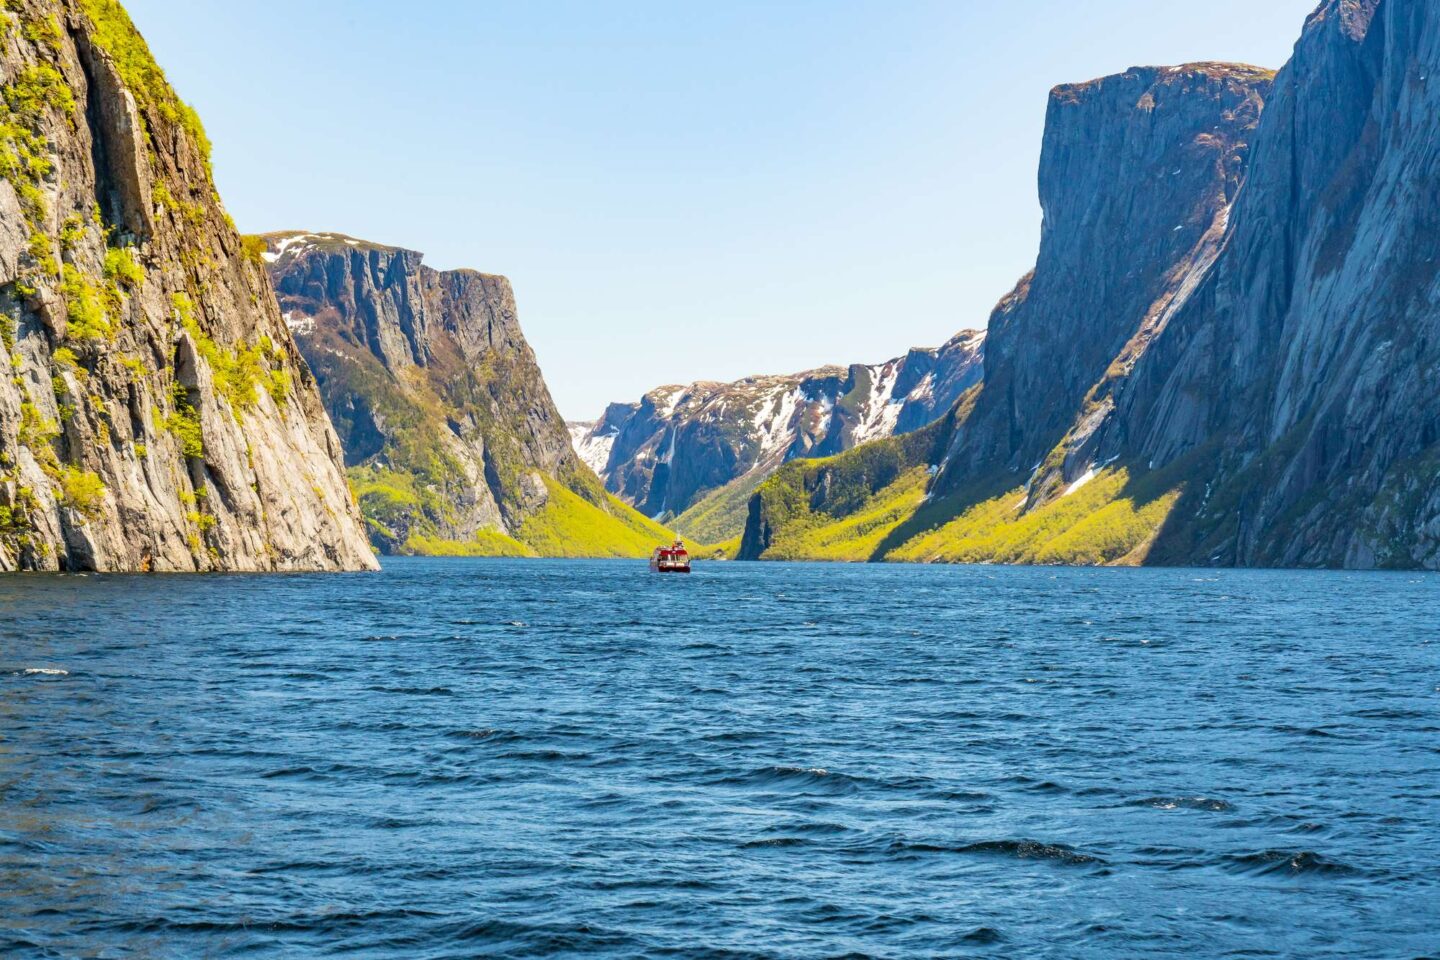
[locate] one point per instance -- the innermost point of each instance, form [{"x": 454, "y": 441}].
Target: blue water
[{"x": 510, "y": 758}]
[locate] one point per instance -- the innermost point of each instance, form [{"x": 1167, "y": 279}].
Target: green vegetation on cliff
[
  {"x": 115, "y": 33},
  {"x": 403, "y": 514},
  {"x": 1109, "y": 520},
  {"x": 571, "y": 526},
  {"x": 719, "y": 516},
  {"x": 451, "y": 452},
  {"x": 872, "y": 504}
]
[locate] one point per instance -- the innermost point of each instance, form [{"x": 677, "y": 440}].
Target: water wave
[
  {"x": 1213, "y": 804},
  {"x": 388, "y": 767},
  {"x": 1058, "y": 853},
  {"x": 1288, "y": 862}
]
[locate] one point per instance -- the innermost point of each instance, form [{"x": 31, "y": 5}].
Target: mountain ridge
[
  {"x": 452, "y": 438},
  {"x": 1273, "y": 412},
  {"x": 1114, "y": 258},
  {"x": 694, "y": 451}
]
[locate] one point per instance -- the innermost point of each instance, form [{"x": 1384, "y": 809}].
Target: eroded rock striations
[
  {"x": 1297, "y": 384},
  {"x": 1138, "y": 173},
  {"x": 696, "y": 452},
  {"x": 453, "y": 442},
  {"x": 1256, "y": 390},
  {"x": 155, "y": 414}
]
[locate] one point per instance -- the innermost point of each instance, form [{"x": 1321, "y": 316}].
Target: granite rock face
[
  {"x": 1260, "y": 375},
  {"x": 1301, "y": 376},
  {"x": 443, "y": 413},
  {"x": 155, "y": 413},
  {"x": 667, "y": 452},
  {"x": 1138, "y": 173}
]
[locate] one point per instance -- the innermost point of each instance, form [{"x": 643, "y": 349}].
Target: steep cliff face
[
  {"x": 453, "y": 441},
  {"x": 697, "y": 451},
  {"x": 155, "y": 414},
  {"x": 1138, "y": 175},
  {"x": 1277, "y": 407},
  {"x": 1300, "y": 378}
]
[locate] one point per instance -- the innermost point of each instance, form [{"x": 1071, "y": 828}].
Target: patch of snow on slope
[
  {"x": 775, "y": 420},
  {"x": 298, "y": 323},
  {"x": 284, "y": 246},
  {"x": 666, "y": 400},
  {"x": 923, "y": 390},
  {"x": 1083, "y": 479},
  {"x": 824, "y": 414},
  {"x": 882, "y": 408},
  {"x": 1090, "y": 474},
  {"x": 593, "y": 449}
]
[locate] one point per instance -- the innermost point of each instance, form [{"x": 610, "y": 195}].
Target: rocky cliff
[
  {"x": 1138, "y": 175},
  {"x": 1297, "y": 385},
  {"x": 155, "y": 414},
  {"x": 696, "y": 452},
  {"x": 1274, "y": 406},
  {"x": 453, "y": 442}
]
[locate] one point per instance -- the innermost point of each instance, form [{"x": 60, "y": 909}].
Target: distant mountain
[
  {"x": 156, "y": 415},
  {"x": 1240, "y": 371},
  {"x": 453, "y": 442},
  {"x": 695, "y": 453}
]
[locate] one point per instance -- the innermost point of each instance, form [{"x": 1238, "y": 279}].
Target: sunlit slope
[
  {"x": 571, "y": 526},
  {"x": 872, "y": 504},
  {"x": 568, "y": 525},
  {"x": 720, "y": 515}
]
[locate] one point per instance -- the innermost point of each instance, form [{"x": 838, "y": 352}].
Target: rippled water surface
[{"x": 509, "y": 758}]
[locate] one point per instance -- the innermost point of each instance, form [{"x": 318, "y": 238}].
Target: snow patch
[
  {"x": 592, "y": 448},
  {"x": 298, "y": 323},
  {"x": 882, "y": 408},
  {"x": 924, "y": 390},
  {"x": 774, "y": 421},
  {"x": 300, "y": 241},
  {"x": 666, "y": 402},
  {"x": 1083, "y": 479},
  {"x": 1090, "y": 473}
]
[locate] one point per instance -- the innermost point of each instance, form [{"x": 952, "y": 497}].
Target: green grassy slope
[
  {"x": 571, "y": 526},
  {"x": 870, "y": 504},
  {"x": 719, "y": 516},
  {"x": 412, "y": 488}
]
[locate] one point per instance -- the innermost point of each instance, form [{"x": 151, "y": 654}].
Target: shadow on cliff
[{"x": 1117, "y": 527}]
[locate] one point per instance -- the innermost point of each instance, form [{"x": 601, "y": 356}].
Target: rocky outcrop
[
  {"x": 1138, "y": 174},
  {"x": 450, "y": 432},
  {"x": 678, "y": 444},
  {"x": 156, "y": 414}
]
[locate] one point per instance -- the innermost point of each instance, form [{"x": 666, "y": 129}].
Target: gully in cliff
[{"x": 672, "y": 559}]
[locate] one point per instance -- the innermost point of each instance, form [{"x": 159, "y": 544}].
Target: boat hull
[{"x": 672, "y": 559}]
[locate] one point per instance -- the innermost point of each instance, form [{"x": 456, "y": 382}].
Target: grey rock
[
  {"x": 432, "y": 387},
  {"x": 102, "y": 371},
  {"x": 677, "y": 445}
]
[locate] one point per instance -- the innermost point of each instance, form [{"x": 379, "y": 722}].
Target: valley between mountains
[{"x": 1226, "y": 354}]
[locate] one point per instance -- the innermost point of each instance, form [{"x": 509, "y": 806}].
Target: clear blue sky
[{"x": 677, "y": 190}]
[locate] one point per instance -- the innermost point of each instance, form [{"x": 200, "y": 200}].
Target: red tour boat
[{"x": 671, "y": 559}]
